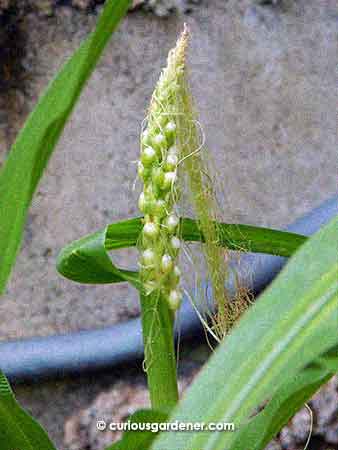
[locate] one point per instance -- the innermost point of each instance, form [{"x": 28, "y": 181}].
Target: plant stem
[{"x": 160, "y": 360}]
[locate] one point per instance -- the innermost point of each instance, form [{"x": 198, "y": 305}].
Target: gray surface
[{"x": 264, "y": 80}]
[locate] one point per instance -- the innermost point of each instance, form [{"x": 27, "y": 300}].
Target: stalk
[
  {"x": 160, "y": 360},
  {"x": 159, "y": 242}
]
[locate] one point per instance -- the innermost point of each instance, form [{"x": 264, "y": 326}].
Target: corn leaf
[
  {"x": 86, "y": 260},
  {"x": 36, "y": 141},
  {"x": 286, "y": 402},
  {"x": 293, "y": 323},
  {"x": 18, "y": 430}
]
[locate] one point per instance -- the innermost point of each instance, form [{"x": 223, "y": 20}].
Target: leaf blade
[
  {"x": 17, "y": 428},
  {"x": 125, "y": 234},
  {"x": 86, "y": 260},
  {"x": 248, "y": 238},
  {"x": 35, "y": 143},
  {"x": 293, "y": 322},
  {"x": 259, "y": 431}
]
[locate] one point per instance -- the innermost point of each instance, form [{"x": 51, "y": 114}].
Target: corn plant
[{"x": 276, "y": 352}]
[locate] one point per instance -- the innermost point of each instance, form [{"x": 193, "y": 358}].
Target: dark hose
[{"x": 88, "y": 351}]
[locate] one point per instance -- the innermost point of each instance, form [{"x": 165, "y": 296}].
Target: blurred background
[{"x": 264, "y": 79}]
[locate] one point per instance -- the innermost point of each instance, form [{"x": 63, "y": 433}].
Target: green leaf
[
  {"x": 141, "y": 440},
  {"x": 18, "y": 430},
  {"x": 248, "y": 238},
  {"x": 36, "y": 141},
  {"x": 291, "y": 324},
  {"x": 285, "y": 403},
  {"x": 86, "y": 260}
]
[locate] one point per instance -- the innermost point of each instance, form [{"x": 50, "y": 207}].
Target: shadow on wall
[{"x": 12, "y": 71}]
